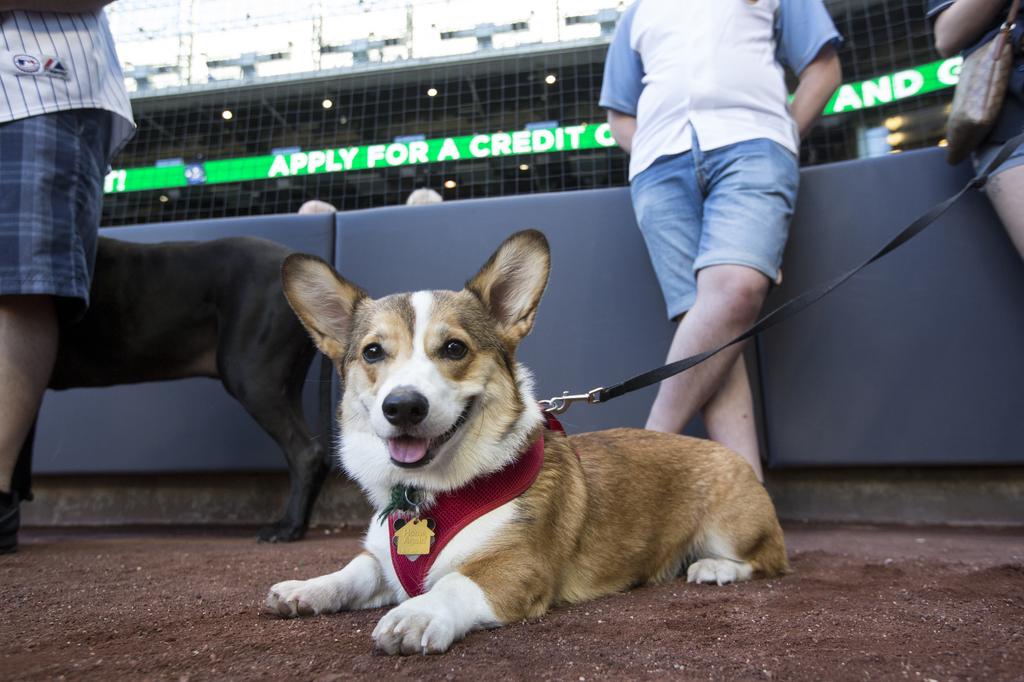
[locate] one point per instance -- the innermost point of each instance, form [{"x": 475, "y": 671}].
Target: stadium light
[
  {"x": 227, "y": 115},
  {"x": 449, "y": 184},
  {"x": 327, "y": 104},
  {"x": 550, "y": 79},
  {"x": 524, "y": 166},
  {"x": 432, "y": 92},
  {"x": 894, "y": 123}
]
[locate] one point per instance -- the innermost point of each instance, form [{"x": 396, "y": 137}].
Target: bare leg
[
  {"x": 28, "y": 346},
  {"x": 729, "y": 416},
  {"x": 1006, "y": 192},
  {"x": 729, "y": 298}
]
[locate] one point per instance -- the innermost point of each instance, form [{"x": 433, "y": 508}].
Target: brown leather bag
[{"x": 979, "y": 94}]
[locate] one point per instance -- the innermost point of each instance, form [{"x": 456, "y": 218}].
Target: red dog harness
[{"x": 453, "y": 511}]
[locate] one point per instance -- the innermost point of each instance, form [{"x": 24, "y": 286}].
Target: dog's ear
[
  {"x": 322, "y": 299},
  {"x": 511, "y": 283}
]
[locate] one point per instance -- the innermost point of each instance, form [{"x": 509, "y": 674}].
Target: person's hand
[
  {"x": 623, "y": 128},
  {"x": 817, "y": 83}
]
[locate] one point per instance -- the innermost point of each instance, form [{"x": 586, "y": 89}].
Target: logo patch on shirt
[
  {"x": 55, "y": 67},
  {"x": 26, "y": 63}
]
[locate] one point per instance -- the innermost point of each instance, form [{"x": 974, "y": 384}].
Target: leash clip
[
  {"x": 415, "y": 504},
  {"x": 560, "y": 403}
]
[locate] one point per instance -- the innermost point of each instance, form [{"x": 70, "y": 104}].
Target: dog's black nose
[{"x": 405, "y": 407}]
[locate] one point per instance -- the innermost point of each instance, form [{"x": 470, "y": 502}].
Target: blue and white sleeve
[
  {"x": 803, "y": 28},
  {"x": 623, "y": 70}
]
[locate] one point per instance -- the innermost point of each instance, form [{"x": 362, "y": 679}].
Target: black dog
[{"x": 209, "y": 309}]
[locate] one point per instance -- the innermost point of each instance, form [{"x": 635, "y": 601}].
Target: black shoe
[{"x": 10, "y": 519}]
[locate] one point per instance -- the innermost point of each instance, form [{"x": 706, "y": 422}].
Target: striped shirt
[{"x": 52, "y": 61}]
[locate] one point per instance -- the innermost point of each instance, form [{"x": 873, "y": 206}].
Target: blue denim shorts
[
  {"x": 51, "y": 190},
  {"x": 984, "y": 155},
  {"x": 730, "y": 205}
]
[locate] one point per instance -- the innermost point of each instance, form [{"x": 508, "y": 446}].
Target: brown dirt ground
[{"x": 863, "y": 603}]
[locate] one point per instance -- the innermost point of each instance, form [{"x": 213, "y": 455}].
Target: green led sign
[
  {"x": 849, "y": 97},
  {"x": 896, "y": 86},
  {"x": 138, "y": 179},
  {"x": 539, "y": 141}
]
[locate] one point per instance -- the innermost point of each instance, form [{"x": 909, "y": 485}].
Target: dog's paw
[
  {"x": 414, "y": 627},
  {"x": 293, "y": 598},
  {"x": 281, "y": 531},
  {"x": 718, "y": 571}
]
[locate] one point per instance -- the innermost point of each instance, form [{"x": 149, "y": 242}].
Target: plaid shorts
[{"x": 51, "y": 190}]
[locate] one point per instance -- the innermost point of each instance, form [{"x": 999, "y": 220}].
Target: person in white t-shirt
[
  {"x": 696, "y": 94},
  {"x": 64, "y": 113}
]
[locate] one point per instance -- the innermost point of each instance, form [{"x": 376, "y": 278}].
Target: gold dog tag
[{"x": 414, "y": 538}]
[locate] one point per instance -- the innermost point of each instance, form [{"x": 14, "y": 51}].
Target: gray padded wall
[
  {"x": 920, "y": 358},
  {"x": 602, "y": 318},
  {"x": 186, "y": 425},
  {"x": 915, "y": 361}
]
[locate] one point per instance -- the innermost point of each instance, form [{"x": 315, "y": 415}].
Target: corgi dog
[{"x": 487, "y": 512}]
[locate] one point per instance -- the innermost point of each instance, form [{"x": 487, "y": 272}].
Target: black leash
[{"x": 788, "y": 309}]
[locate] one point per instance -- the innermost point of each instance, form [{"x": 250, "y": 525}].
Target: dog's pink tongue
[{"x": 407, "y": 450}]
